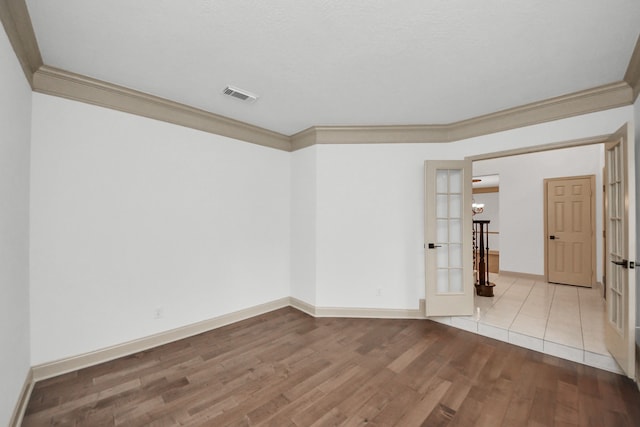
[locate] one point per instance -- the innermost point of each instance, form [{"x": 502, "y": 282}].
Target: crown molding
[
  {"x": 399, "y": 134},
  {"x": 304, "y": 139},
  {"x": 600, "y": 98},
  {"x": 604, "y": 97},
  {"x": 48, "y": 80},
  {"x": 65, "y": 84},
  {"x": 17, "y": 24},
  {"x": 632, "y": 76},
  {"x": 392, "y": 134},
  {"x": 53, "y": 81}
]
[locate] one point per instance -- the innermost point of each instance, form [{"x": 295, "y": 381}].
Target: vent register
[{"x": 240, "y": 94}]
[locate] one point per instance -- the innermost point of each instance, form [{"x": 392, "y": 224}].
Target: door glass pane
[
  {"x": 443, "y": 230},
  {"x": 455, "y": 231},
  {"x": 455, "y": 206},
  {"x": 442, "y": 181},
  {"x": 443, "y": 281},
  {"x": 455, "y": 280},
  {"x": 455, "y": 181},
  {"x": 441, "y": 206},
  {"x": 455, "y": 256},
  {"x": 443, "y": 257},
  {"x": 614, "y": 308}
]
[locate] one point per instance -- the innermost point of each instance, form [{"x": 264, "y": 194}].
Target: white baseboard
[
  {"x": 537, "y": 277},
  {"x": 59, "y": 367},
  {"x": 368, "y": 313},
  {"x": 21, "y": 404},
  {"x": 303, "y": 306}
]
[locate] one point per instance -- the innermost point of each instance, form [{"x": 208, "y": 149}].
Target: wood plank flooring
[{"x": 285, "y": 368}]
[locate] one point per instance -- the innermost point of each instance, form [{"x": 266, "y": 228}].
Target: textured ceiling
[{"x": 336, "y": 62}]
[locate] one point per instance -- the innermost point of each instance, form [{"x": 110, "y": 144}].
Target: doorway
[
  {"x": 531, "y": 312},
  {"x": 527, "y": 207},
  {"x": 521, "y": 225}
]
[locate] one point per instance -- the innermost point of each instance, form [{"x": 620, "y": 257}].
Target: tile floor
[{"x": 560, "y": 320}]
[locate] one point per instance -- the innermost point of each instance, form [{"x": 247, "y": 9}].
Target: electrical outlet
[
  {"x": 158, "y": 313},
  {"x": 379, "y": 293}
]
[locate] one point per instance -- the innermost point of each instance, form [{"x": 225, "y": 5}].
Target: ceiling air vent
[{"x": 240, "y": 94}]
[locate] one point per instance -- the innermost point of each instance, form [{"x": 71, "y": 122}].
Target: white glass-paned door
[
  {"x": 620, "y": 249},
  {"x": 448, "y": 252}
]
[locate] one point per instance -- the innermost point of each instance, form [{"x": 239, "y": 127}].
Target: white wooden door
[
  {"x": 620, "y": 250},
  {"x": 448, "y": 250}
]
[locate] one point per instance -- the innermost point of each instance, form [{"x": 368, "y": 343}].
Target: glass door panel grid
[
  {"x": 615, "y": 237},
  {"x": 449, "y": 184}
]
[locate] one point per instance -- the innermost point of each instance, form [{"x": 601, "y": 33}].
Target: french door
[
  {"x": 620, "y": 249},
  {"x": 448, "y": 250}
]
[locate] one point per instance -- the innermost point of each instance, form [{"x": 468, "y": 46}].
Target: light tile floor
[{"x": 560, "y": 320}]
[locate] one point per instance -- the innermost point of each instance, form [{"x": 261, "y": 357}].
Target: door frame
[
  {"x": 592, "y": 182},
  {"x": 559, "y": 145},
  {"x": 599, "y": 139}
]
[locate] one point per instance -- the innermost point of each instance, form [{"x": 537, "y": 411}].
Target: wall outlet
[
  {"x": 158, "y": 313},
  {"x": 379, "y": 292}
]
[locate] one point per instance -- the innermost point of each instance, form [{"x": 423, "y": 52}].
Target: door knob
[
  {"x": 553, "y": 238},
  {"x": 624, "y": 263},
  {"x": 433, "y": 246}
]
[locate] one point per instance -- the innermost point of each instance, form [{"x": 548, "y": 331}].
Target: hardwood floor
[{"x": 285, "y": 368}]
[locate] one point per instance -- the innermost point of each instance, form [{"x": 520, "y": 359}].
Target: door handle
[
  {"x": 624, "y": 263},
  {"x": 552, "y": 237},
  {"x": 433, "y": 246}
]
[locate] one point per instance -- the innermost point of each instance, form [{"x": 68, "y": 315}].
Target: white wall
[
  {"x": 521, "y": 195},
  {"x": 129, "y": 215},
  {"x": 370, "y": 224},
  {"x": 370, "y": 209},
  {"x": 15, "y": 116},
  {"x": 303, "y": 224}
]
